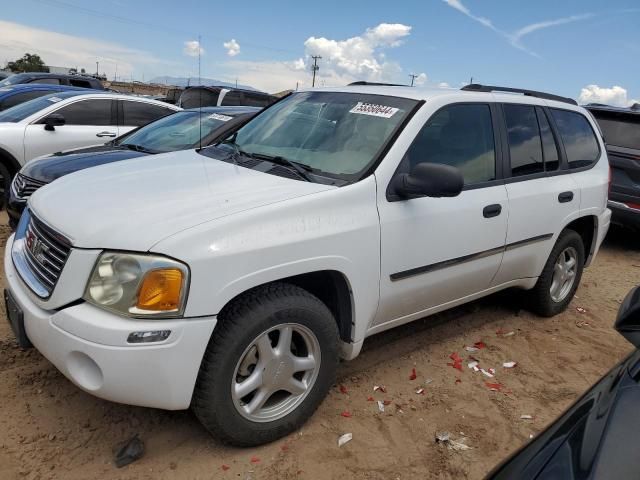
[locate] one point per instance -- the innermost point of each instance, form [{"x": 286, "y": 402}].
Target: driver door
[
  {"x": 90, "y": 121},
  {"x": 438, "y": 250}
]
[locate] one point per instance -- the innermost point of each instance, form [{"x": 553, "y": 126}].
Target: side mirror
[
  {"x": 429, "y": 180},
  {"x": 628, "y": 321},
  {"x": 54, "y": 120}
]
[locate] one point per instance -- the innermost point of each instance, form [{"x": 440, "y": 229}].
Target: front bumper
[{"x": 89, "y": 346}]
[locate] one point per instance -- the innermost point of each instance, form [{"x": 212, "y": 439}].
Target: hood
[
  {"x": 47, "y": 169},
  {"x": 133, "y": 205}
]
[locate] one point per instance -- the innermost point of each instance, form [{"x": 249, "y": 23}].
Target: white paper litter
[
  {"x": 347, "y": 437},
  {"x": 473, "y": 365},
  {"x": 487, "y": 372},
  {"x": 445, "y": 438},
  {"x": 381, "y": 406},
  {"x": 420, "y": 391},
  {"x": 471, "y": 349},
  {"x": 526, "y": 417},
  {"x": 380, "y": 388},
  {"x": 509, "y": 364}
]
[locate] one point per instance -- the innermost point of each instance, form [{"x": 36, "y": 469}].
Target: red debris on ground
[
  {"x": 346, "y": 414},
  {"x": 225, "y": 467},
  {"x": 370, "y": 399},
  {"x": 494, "y": 387},
  {"x": 343, "y": 389},
  {"x": 413, "y": 375},
  {"x": 386, "y": 402},
  {"x": 458, "y": 381},
  {"x": 255, "y": 460},
  {"x": 479, "y": 345},
  {"x": 457, "y": 361}
]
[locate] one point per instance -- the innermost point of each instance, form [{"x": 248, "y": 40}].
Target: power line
[
  {"x": 413, "y": 76},
  {"x": 315, "y": 68}
]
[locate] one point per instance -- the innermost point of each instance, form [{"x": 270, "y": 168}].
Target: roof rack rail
[
  {"x": 476, "y": 87},
  {"x": 362, "y": 82}
]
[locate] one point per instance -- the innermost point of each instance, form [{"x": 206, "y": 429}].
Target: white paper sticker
[
  {"x": 374, "y": 110},
  {"x": 54, "y": 99},
  {"x": 218, "y": 116}
]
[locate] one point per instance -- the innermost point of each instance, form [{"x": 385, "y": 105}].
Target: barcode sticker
[
  {"x": 374, "y": 110},
  {"x": 218, "y": 116}
]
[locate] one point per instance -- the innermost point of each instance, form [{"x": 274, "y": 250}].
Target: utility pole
[
  {"x": 412, "y": 76},
  {"x": 98, "y": 69},
  {"x": 315, "y": 68}
]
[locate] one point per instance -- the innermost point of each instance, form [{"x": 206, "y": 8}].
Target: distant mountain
[{"x": 184, "y": 81}]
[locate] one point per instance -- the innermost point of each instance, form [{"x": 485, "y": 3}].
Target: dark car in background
[
  {"x": 13, "y": 95},
  {"x": 621, "y": 130},
  {"x": 82, "y": 81},
  {"x": 597, "y": 437},
  {"x": 180, "y": 131},
  {"x": 202, "y": 96}
]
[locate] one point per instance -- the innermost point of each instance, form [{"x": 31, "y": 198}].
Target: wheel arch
[
  {"x": 587, "y": 227},
  {"x": 9, "y": 161},
  {"x": 330, "y": 286}
]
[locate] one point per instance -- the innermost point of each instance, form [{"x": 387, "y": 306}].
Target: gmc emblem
[{"x": 37, "y": 248}]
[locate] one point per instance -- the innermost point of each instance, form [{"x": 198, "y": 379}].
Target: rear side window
[
  {"x": 137, "y": 114},
  {"x": 525, "y": 145},
  {"x": 19, "y": 98},
  {"x": 232, "y": 98},
  {"x": 458, "y": 135},
  {"x": 79, "y": 83},
  {"x": 619, "y": 129},
  {"x": 579, "y": 140},
  {"x": 88, "y": 112},
  {"x": 549, "y": 146}
]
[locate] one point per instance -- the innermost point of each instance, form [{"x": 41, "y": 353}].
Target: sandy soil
[{"x": 51, "y": 429}]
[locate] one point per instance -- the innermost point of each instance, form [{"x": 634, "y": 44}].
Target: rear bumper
[
  {"x": 604, "y": 221},
  {"x": 89, "y": 346},
  {"x": 624, "y": 215}
]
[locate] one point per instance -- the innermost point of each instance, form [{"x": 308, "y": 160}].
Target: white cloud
[
  {"x": 421, "y": 79},
  {"x": 233, "y": 47},
  {"x": 63, "y": 50},
  {"x": 616, "y": 96},
  {"x": 515, "y": 38},
  {"x": 192, "y": 48},
  {"x": 359, "y": 57},
  {"x": 268, "y": 76},
  {"x": 444, "y": 85}
]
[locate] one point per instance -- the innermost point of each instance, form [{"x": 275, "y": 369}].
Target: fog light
[{"x": 148, "y": 337}]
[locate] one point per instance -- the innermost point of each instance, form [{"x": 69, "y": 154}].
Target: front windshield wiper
[
  {"x": 300, "y": 168},
  {"x": 137, "y": 148}
]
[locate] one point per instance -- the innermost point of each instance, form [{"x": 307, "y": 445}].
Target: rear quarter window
[{"x": 579, "y": 139}]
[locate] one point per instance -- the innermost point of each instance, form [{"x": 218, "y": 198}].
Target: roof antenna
[{"x": 199, "y": 95}]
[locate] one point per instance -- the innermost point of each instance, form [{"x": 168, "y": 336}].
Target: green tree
[{"x": 30, "y": 62}]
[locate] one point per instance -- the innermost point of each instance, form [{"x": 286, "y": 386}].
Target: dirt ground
[{"x": 51, "y": 429}]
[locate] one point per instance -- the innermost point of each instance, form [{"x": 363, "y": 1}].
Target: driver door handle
[
  {"x": 492, "y": 210},
  {"x": 105, "y": 134}
]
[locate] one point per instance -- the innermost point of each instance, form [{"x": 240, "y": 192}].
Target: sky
[{"x": 585, "y": 49}]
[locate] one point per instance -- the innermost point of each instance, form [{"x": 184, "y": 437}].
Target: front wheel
[
  {"x": 270, "y": 362},
  {"x": 560, "y": 277}
]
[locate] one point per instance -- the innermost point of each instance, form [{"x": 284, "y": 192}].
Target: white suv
[{"x": 233, "y": 279}]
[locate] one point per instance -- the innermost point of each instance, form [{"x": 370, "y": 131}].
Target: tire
[
  {"x": 5, "y": 184},
  {"x": 542, "y": 299},
  {"x": 234, "y": 353}
]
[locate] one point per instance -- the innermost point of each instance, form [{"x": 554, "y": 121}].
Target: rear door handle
[
  {"x": 105, "y": 134},
  {"x": 492, "y": 210},
  {"x": 565, "y": 197}
]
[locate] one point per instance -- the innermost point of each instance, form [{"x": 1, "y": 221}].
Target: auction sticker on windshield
[
  {"x": 222, "y": 118},
  {"x": 374, "y": 110},
  {"x": 55, "y": 99}
]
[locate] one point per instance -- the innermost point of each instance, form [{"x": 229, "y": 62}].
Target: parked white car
[
  {"x": 65, "y": 120},
  {"x": 233, "y": 279}
]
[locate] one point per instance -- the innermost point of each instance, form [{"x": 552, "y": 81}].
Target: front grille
[
  {"x": 23, "y": 186},
  {"x": 45, "y": 252}
]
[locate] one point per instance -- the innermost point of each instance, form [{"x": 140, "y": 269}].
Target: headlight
[{"x": 138, "y": 285}]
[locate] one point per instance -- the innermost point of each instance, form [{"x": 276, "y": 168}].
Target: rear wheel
[
  {"x": 269, "y": 364},
  {"x": 560, "y": 277}
]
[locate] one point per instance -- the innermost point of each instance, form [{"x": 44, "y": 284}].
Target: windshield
[
  {"x": 179, "y": 131},
  {"x": 26, "y": 109},
  {"x": 339, "y": 134},
  {"x": 13, "y": 80}
]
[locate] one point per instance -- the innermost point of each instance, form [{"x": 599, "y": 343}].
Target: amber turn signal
[{"x": 160, "y": 290}]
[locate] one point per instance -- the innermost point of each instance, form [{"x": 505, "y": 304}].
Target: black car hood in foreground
[
  {"x": 597, "y": 438},
  {"x": 55, "y": 166}
]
